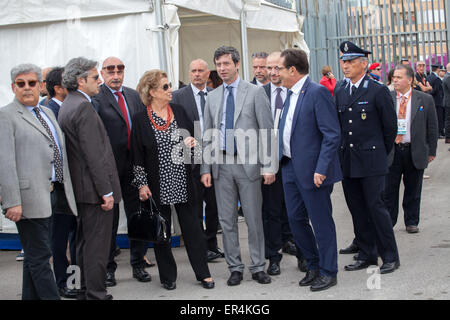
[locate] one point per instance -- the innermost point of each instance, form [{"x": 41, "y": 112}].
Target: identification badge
[{"x": 401, "y": 125}]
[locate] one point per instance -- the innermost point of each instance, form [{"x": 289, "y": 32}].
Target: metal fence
[{"x": 392, "y": 30}]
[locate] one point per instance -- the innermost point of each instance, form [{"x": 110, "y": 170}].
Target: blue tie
[
  {"x": 229, "y": 117},
  {"x": 282, "y": 123}
]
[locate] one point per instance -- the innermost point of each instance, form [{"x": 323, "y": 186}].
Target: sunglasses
[
  {"x": 94, "y": 77},
  {"x": 120, "y": 67},
  {"x": 31, "y": 83},
  {"x": 167, "y": 86}
]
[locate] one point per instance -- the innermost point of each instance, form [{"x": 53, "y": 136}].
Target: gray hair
[
  {"x": 75, "y": 69},
  {"x": 259, "y": 55},
  {"x": 223, "y": 50},
  {"x": 25, "y": 68},
  {"x": 409, "y": 71}
]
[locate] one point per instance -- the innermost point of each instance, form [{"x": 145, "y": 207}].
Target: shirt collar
[
  {"x": 84, "y": 94},
  {"x": 406, "y": 94},
  {"x": 359, "y": 81},
  {"x": 196, "y": 90},
  {"x": 32, "y": 107},
  {"x": 234, "y": 84},
  {"x": 112, "y": 90},
  {"x": 273, "y": 88},
  {"x": 57, "y": 101},
  {"x": 299, "y": 85}
]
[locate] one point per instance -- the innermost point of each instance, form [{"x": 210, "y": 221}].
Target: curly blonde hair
[{"x": 149, "y": 81}]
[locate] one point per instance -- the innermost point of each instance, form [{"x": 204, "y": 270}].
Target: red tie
[{"x": 123, "y": 108}]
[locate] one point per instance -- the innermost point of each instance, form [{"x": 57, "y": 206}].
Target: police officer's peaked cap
[{"x": 351, "y": 51}]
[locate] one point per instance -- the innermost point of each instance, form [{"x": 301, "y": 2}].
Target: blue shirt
[
  {"x": 117, "y": 100},
  {"x": 234, "y": 85},
  {"x": 52, "y": 129}
]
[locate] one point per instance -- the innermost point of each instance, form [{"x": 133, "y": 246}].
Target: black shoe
[
  {"x": 302, "y": 265},
  {"x": 208, "y": 284},
  {"x": 141, "y": 275},
  {"x": 211, "y": 255},
  {"x": 289, "y": 247},
  {"x": 353, "y": 248},
  {"x": 235, "y": 278},
  {"x": 219, "y": 251},
  {"x": 110, "y": 279},
  {"x": 169, "y": 285},
  {"x": 274, "y": 268},
  {"x": 311, "y": 275},
  {"x": 68, "y": 293},
  {"x": 261, "y": 277},
  {"x": 389, "y": 267},
  {"x": 360, "y": 264},
  {"x": 323, "y": 283},
  {"x": 108, "y": 297}
]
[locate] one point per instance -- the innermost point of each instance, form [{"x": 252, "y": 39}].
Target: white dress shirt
[
  {"x": 198, "y": 103},
  {"x": 290, "y": 115}
]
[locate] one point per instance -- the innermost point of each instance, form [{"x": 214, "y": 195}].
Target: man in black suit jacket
[
  {"x": 93, "y": 172},
  {"x": 116, "y": 106},
  {"x": 193, "y": 98},
  {"x": 414, "y": 147},
  {"x": 438, "y": 95}
]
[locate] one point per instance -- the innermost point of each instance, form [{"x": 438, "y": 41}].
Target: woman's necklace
[{"x": 169, "y": 118}]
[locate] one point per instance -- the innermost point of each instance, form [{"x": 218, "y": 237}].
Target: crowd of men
[{"x": 66, "y": 164}]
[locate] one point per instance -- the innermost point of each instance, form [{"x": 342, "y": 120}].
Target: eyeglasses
[
  {"x": 120, "y": 67},
  {"x": 167, "y": 86},
  {"x": 279, "y": 68},
  {"x": 31, "y": 83},
  {"x": 94, "y": 77}
]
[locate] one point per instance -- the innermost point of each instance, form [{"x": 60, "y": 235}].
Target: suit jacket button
[
  {"x": 349, "y": 109},
  {"x": 51, "y": 146},
  {"x": 349, "y": 121},
  {"x": 350, "y": 133},
  {"x": 373, "y": 147},
  {"x": 351, "y": 145}
]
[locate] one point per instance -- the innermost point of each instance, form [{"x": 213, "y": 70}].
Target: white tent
[{"x": 145, "y": 34}]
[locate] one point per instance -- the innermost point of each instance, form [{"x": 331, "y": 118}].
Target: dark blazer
[
  {"x": 91, "y": 160},
  {"x": 438, "y": 90},
  {"x": 369, "y": 127},
  {"x": 315, "y": 136},
  {"x": 109, "y": 111},
  {"x": 144, "y": 150},
  {"x": 54, "y": 107},
  {"x": 267, "y": 89},
  {"x": 446, "y": 85},
  {"x": 424, "y": 129}
]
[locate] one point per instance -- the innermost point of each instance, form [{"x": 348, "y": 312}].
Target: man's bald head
[
  {"x": 271, "y": 66},
  {"x": 198, "y": 73},
  {"x": 113, "y": 72}
]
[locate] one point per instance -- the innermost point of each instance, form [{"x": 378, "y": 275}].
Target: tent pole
[
  {"x": 163, "y": 63},
  {"x": 244, "y": 56}
]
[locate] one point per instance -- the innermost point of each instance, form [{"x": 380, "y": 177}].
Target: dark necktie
[
  {"x": 57, "y": 159},
  {"x": 278, "y": 102},
  {"x": 282, "y": 123},
  {"x": 202, "y": 95},
  {"x": 229, "y": 116},
  {"x": 354, "y": 88},
  {"x": 123, "y": 108}
]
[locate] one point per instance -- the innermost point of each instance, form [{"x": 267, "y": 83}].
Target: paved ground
[{"x": 424, "y": 272}]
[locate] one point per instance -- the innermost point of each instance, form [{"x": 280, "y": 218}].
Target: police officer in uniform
[{"x": 369, "y": 127}]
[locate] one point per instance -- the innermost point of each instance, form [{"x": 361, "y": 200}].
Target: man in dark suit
[
  {"x": 309, "y": 122},
  {"x": 261, "y": 77},
  {"x": 438, "y": 96},
  {"x": 369, "y": 127},
  {"x": 94, "y": 175},
  {"x": 415, "y": 147},
  {"x": 277, "y": 233},
  {"x": 116, "y": 105},
  {"x": 193, "y": 99},
  {"x": 446, "y": 85},
  {"x": 64, "y": 224}
]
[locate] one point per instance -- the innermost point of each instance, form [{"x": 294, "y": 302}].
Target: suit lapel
[
  {"x": 241, "y": 92},
  {"x": 415, "y": 104},
  {"x": 192, "y": 102},
  {"x": 112, "y": 101},
  {"x": 28, "y": 117},
  {"x": 359, "y": 92},
  {"x": 218, "y": 115},
  {"x": 298, "y": 106}
]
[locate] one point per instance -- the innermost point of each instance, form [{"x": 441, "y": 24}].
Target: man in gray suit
[
  {"x": 415, "y": 147},
  {"x": 33, "y": 165},
  {"x": 94, "y": 175},
  {"x": 235, "y": 112},
  {"x": 446, "y": 85}
]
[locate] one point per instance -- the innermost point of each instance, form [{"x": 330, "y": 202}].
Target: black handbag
[{"x": 147, "y": 224}]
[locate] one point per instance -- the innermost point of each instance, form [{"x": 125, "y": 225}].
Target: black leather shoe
[
  {"x": 68, "y": 293},
  {"x": 274, "y": 268},
  {"x": 302, "y": 265},
  {"x": 169, "y": 285},
  {"x": 261, "y": 277},
  {"x": 219, "y": 251},
  {"x": 110, "y": 279},
  {"x": 141, "y": 275},
  {"x": 290, "y": 248},
  {"x": 311, "y": 275},
  {"x": 211, "y": 255},
  {"x": 359, "y": 265},
  {"x": 389, "y": 267},
  {"x": 208, "y": 284},
  {"x": 235, "y": 278},
  {"x": 108, "y": 297},
  {"x": 352, "y": 248},
  {"x": 323, "y": 283}
]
